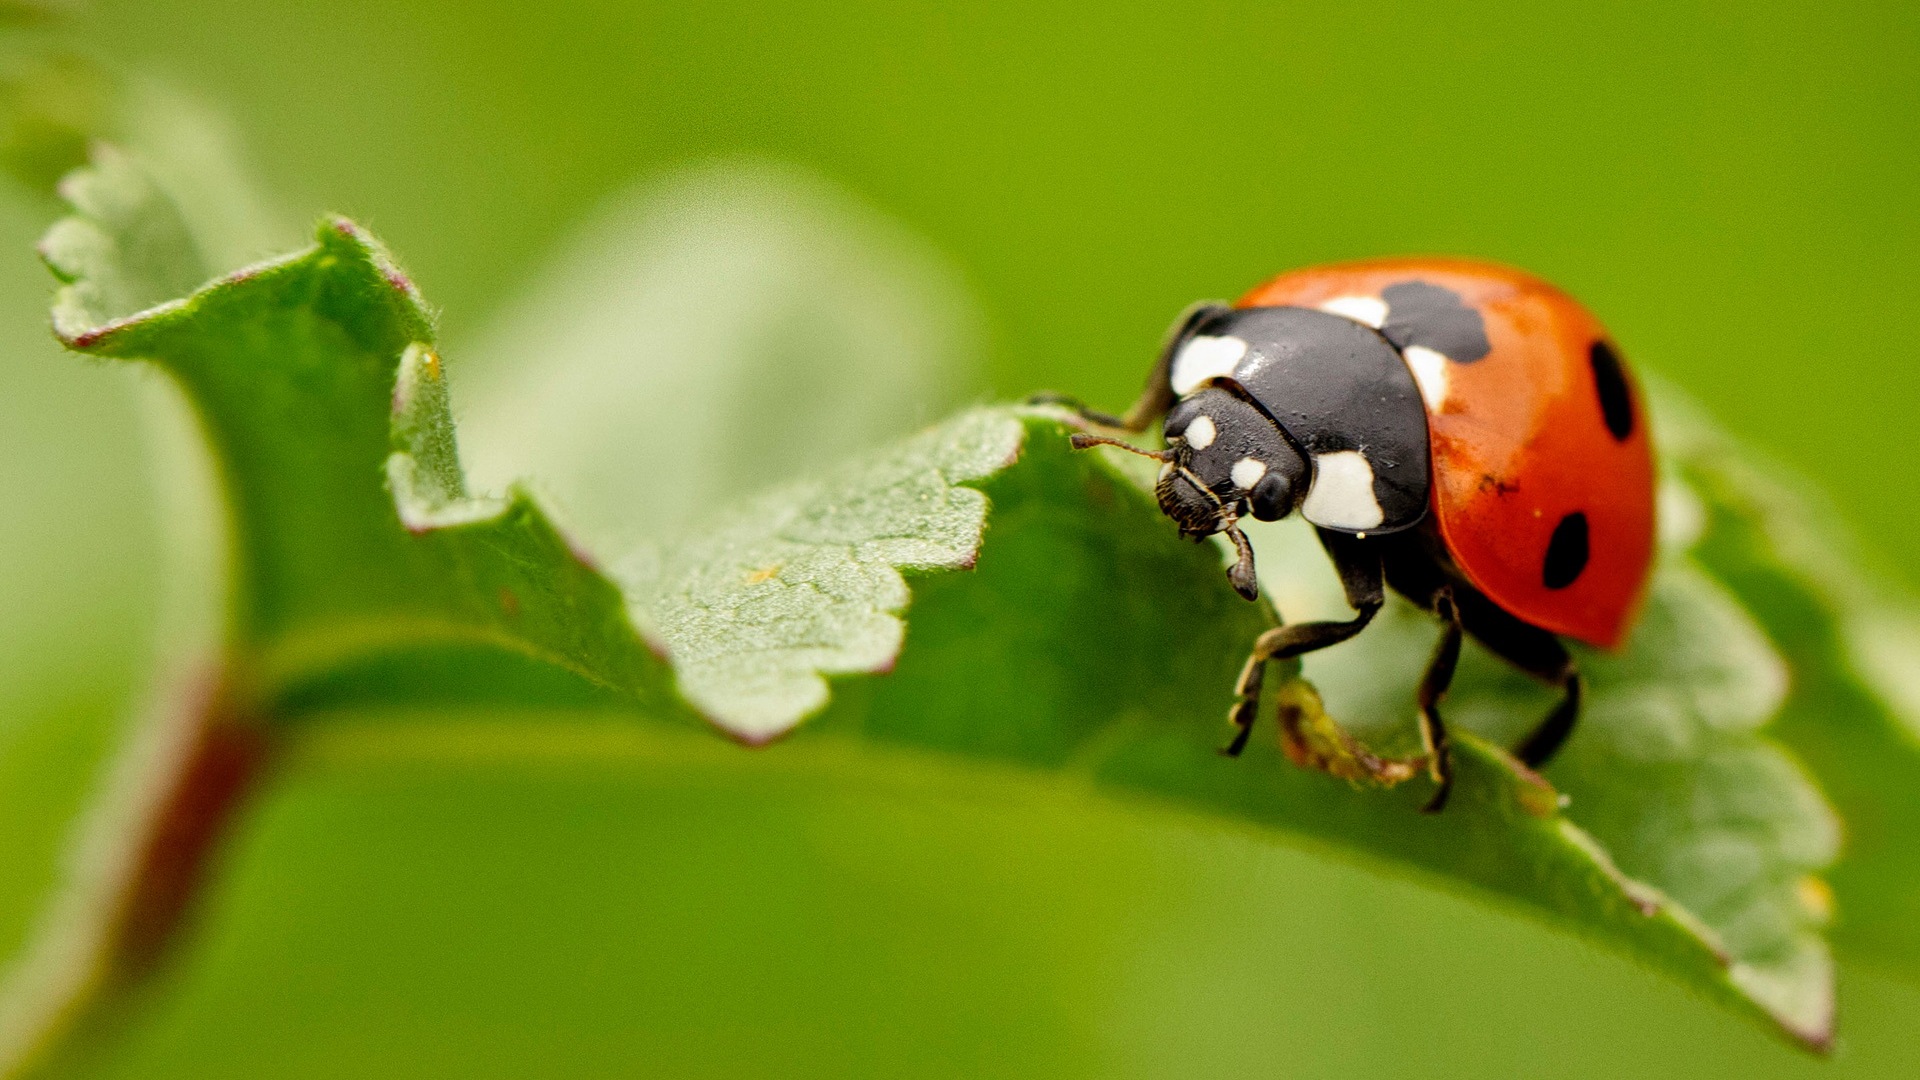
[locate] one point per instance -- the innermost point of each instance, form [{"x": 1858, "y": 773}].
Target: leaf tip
[
  {"x": 1798, "y": 995},
  {"x": 346, "y": 237}
]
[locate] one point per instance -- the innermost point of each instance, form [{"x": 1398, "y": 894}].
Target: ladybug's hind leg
[
  {"x": 1095, "y": 416},
  {"x": 1364, "y": 580},
  {"x": 1157, "y": 396},
  {"x": 1539, "y": 654}
]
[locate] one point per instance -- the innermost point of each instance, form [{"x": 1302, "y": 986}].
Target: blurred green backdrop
[{"x": 1731, "y": 187}]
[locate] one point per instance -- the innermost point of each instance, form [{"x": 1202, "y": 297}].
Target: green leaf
[
  {"x": 314, "y": 375},
  {"x": 313, "y": 382},
  {"x": 1673, "y": 775},
  {"x": 1672, "y": 768},
  {"x": 1088, "y": 648},
  {"x": 807, "y": 583},
  {"x": 1091, "y": 646},
  {"x": 1852, "y": 638}
]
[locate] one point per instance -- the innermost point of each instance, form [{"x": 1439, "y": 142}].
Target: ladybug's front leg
[{"x": 1364, "y": 580}]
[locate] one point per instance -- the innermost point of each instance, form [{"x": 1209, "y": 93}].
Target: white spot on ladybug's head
[
  {"x": 1203, "y": 358},
  {"x": 1369, "y": 310},
  {"x": 1200, "y": 432},
  {"x": 1247, "y": 472},
  {"x": 1430, "y": 371},
  {"x": 1342, "y": 493}
]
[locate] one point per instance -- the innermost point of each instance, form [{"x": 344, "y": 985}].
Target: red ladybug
[{"x": 1463, "y": 432}]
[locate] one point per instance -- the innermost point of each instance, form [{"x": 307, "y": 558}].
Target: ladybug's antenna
[{"x": 1082, "y": 441}]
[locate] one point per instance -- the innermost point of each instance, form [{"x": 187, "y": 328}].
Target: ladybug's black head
[
  {"x": 1228, "y": 460},
  {"x": 1225, "y": 460}
]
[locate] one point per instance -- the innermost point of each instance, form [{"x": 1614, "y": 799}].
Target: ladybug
[{"x": 1462, "y": 432}]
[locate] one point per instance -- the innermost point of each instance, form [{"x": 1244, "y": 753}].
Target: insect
[{"x": 1462, "y": 432}]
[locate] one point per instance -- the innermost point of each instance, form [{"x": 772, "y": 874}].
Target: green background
[{"x": 1729, "y": 187}]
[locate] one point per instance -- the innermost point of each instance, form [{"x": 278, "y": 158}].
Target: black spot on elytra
[
  {"x": 1566, "y": 552},
  {"x": 1419, "y": 313},
  {"x": 1610, "y": 382}
]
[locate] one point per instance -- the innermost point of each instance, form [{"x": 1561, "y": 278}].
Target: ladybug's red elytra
[{"x": 1463, "y": 432}]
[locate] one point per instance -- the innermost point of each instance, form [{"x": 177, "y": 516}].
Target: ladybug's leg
[
  {"x": 1157, "y": 396},
  {"x": 1091, "y": 415},
  {"x": 1539, "y": 654},
  {"x": 1365, "y": 583},
  {"x": 1433, "y": 687},
  {"x": 1539, "y": 747}
]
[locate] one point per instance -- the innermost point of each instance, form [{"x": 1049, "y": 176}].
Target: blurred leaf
[
  {"x": 101, "y": 807},
  {"x": 473, "y": 894},
  {"x": 99, "y": 728},
  {"x": 1852, "y": 639},
  {"x": 143, "y": 770},
  {"x": 125, "y": 249},
  {"x": 58, "y": 106},
  {"x": 187, "y": 149},
  {"x": 705, "y": 336},
  {"x": 54, "y": 102}
]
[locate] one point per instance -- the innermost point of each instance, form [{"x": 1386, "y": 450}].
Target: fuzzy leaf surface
[
  {"x": 1091, "y": 646},
  {"x": 808, "y": 583}
]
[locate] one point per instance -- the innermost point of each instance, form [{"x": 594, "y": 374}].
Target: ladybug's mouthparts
[
  {"x": 1200, "y": 513},
  {"x": 1192, "y": 505}
]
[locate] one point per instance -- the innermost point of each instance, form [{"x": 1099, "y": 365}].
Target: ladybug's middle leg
[{"x": 1363, "y": 579}]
